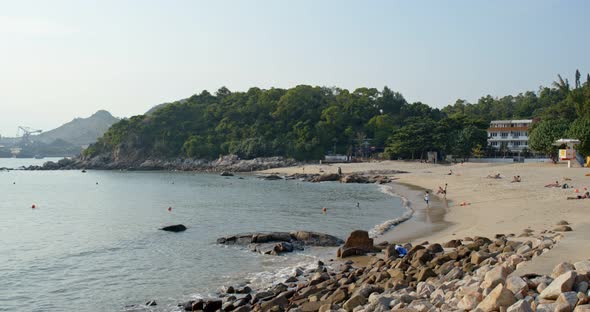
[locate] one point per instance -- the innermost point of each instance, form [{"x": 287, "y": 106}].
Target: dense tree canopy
[{"x": 307, "y": 122}]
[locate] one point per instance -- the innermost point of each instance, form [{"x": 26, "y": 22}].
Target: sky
[{"x": 63, "y": 59}]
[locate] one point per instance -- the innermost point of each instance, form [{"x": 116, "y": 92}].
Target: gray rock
[
  {"x": 499, "y": 298},
  {"x": 546, "y": 307},
  {"x": 470, "y": 301},
  {"x": 563, "y": 228},
  {"x": 516, "y": 285},
  {"x": 561, "y": 268},
  {"x": 174, "y": 228},
  {"x": 520, "y": 306},
  {"x": 495, "y": 276},
  {"x": 569, "y": 298},
  {"x": 354, "y": 302},
  {"x": 562, "y": 283},
  {"x": 582, "y": 267}
]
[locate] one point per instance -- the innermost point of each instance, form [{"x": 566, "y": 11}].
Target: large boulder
[
  {"x": 470, "y": 301},
  {"x": 390, "y": 252},
  {"x": 316, "y": 239},
  {"x": 355, "y": 178},
  {"x": 516, "y": 285},
  {"x": 354, "y": 302},
  {"x": 327, "y": 177},
  {"x": 274, "y": 248},
  {"x": 174, "y": 228},
  {"x": 495, "y": 276},
  {"x": 520, "y": 306},
  {"x": 274, "y": 243},
  {"x": 561, "y": 284},
  {"x": 499, "y": 298},
  {"x": 561, "y": 268},
  {"x": 358, "y": 241},
  {"x": 582, "y": 267}
]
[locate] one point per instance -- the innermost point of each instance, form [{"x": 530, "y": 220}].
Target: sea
[{"x": 92, "y": 241}]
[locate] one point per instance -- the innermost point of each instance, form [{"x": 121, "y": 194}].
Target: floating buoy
[
  {"x": 169, "y": 208},
  {"x": 33, "y": 206},
  {"x": 324, "y": 210}
]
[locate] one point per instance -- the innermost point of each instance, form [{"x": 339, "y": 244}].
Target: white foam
[{"x": 387, "y": 225}]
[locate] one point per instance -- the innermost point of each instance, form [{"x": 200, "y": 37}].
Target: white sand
[{"x": 495, "y": 205}]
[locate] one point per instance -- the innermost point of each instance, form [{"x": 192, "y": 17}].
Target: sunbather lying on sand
[
  {"x": 586, "y": 195},
  {"x": 515, "y": 179},
  {"x": 556, "y": 184},
  {"x": 495, "y": 176}
]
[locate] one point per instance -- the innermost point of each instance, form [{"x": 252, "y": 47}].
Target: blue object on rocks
[{"x": 401, "y": 250}]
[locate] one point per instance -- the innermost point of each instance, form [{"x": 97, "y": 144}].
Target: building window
[{"x": 504, "y": 134}]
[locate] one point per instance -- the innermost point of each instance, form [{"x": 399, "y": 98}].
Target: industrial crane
[{"x": 25, "y": 133}]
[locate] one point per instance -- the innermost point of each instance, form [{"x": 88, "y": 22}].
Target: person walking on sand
[{"x": 426, "y": 198}]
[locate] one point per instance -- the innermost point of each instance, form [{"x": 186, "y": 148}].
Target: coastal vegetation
[{"x": 307, "y": 122}]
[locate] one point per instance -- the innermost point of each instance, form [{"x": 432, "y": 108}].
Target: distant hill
[
  {"x": 80, "y": 131},
  {"x": 159, "y": 106}
]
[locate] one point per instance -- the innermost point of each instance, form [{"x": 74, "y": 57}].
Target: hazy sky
[{"x": 66, "y": 59}]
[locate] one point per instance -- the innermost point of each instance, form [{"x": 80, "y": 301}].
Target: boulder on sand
[
  {"x": 327, "y": 177},
  {"x": 359, "y": 242},
  {"x": 174, "y": 228}
]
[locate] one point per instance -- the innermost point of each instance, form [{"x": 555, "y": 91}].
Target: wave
[{"x": 380, "y": 229}]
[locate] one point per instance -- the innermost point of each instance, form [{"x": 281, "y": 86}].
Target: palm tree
[{"x": 562, "y": 85}]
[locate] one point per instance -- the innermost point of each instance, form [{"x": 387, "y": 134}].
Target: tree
[
  {"x": 544, "y": 134},
  {"x": 466, "y": 140},
  {"x": 578, "y": 78},
  {"x": 562, "y": 85},
  {"x": 580, "y": 129},
  {"x": 477, "y": 151},
  {"x": 412, "y": 139}
]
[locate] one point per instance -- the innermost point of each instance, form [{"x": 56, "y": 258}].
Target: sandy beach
[{"x": 494, "y": 206}]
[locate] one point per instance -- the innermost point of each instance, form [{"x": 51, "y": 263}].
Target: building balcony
[
  {"x": 508, "y": 138},
  {"x": 508, "y": 129}
]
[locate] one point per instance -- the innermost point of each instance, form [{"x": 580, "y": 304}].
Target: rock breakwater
[{"x": 469, "y": 274}]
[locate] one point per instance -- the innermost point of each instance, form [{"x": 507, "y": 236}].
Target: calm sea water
[{"x": 92, "y": 243}]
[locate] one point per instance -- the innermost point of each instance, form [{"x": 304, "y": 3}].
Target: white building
[{"x": 514, "y": 134}]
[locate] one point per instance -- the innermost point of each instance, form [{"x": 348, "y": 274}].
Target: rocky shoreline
[
  {"x": 469, "y": 274},
  {"x": 229, "y": 163}
]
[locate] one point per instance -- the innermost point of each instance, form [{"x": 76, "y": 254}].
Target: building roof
[{"x": 512, "y": 121}]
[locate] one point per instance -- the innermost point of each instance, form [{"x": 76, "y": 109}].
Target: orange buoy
[
  {"x": 324, "y": 210},
  {"x": 33, "y": 206},
  {"x": 169, "y": 208}
]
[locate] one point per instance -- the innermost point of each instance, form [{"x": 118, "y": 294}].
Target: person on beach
[
  {"x": 450, "y": 172},
  {"x": 442, "y": 191},
  {"x": 515, "y": 179},
  {"x": 556, "y": 184},
  {"x": 585, "y": 196},
  {"x": 339, "y": 171},
  {"x": 426, "y": 198},
  {"x": 494, "y": 176}
]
